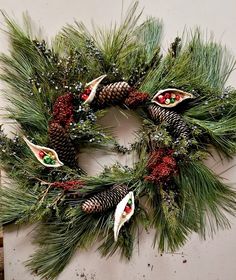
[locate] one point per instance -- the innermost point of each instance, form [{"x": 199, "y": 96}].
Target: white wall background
[{"x": 198, "y": 260}]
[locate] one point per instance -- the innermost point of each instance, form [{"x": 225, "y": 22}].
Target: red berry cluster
[
  {"x": 85, "y": 95},
  {"x": 63, "y": 111},
  {"x": 136, "y": 99},
  {"x": 161, "y": 166},
  {"x": 168, "y": 98},
  {"x": 68, "y": 185}
]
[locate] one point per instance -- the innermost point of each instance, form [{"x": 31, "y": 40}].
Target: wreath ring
[
  {"x": 184, "y": 107},
  {"x": 119, "y": 93}
]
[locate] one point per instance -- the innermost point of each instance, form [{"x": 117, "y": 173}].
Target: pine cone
[
  {"x": 177, "y": 124},
  {"x": 107, "y": 199},
  {"x": 112, "y": 94},
  {"x": 61, "y": 143}
]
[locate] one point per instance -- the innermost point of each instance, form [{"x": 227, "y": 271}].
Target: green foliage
[
  {"x": 210, "y": 62},
  {"x": 220, "y": 133},
  {"x": 59, "y": 240},
  {"x": 18, "y": 68},
  {"x": 16, "y": 205},
  {"x": 200, "y": 205},
  {"x": 87, "y": 133},
  {"x": 206, "y": 195}
]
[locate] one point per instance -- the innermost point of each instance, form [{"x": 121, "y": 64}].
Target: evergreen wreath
[{"x": 184, "y": 106}]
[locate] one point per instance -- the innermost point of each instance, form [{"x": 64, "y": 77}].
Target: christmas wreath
[{"x": 184, "y": 106}]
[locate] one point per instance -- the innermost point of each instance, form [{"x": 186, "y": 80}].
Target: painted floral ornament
[
  {"x": 124, "y": 211},
  {"x": 91, "y": 89},
  {"x": 48, "y": 157},
  {"x": 171, "y": 97}
]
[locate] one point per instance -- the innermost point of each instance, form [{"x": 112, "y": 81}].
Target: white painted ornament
[
  {"x": 121, "y": 216},
  {"x": 175, "y": 97},
  {"x": 93, "y": 85},
  {"x": 36, "y": 149}
]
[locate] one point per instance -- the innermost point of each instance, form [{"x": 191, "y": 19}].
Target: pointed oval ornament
[
  {"x": 36, "y": 149},
  {"x": 124, "y": 211},
  {"x": 170, "y": 97},
  {"x": 93, "y": 86}
]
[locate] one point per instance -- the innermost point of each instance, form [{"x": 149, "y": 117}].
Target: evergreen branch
[
  {"x": 202, "y": 203},
  {"x": 60, "y": 239},
  {"x": 124, "y": 243},
  {"x": 146, "y": 54},
  {"x": 103, "y": 51},
  {"x": 209, "y": 198},
  {"x": 210, "y": 62},
  {"x": 149, "y": 35},
  {"x": 221, "y": 134},
  {"x": 16, "y": 205},
  {"x": 172, "y": 229},
  {"x": 213, "y": 60},
  {"x": 18, "y": 69},
  {"x": 30, "y": 204}
]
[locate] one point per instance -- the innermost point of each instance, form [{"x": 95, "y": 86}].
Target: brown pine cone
[
  {"x": 62, "y": 144},
  {"x": 104, "y": 200},
  {"x": 177, "y": 124},
  {"x": 112, "y": 94}
]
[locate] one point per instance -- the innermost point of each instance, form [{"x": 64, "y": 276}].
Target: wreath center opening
[{"x": 121, "y": 127}]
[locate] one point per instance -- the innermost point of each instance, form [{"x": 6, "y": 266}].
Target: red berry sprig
[
  {"x": 68, "y": 185},
  {"x": 162, "y": 166},
  {"x": 63, "y": 110}
]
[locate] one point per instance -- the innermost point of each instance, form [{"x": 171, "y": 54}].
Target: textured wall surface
[{"x": 211, "y": 259}]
